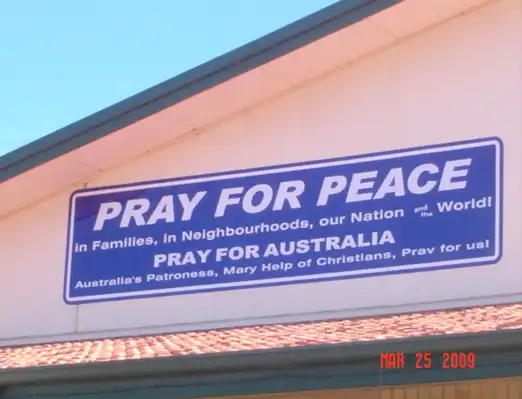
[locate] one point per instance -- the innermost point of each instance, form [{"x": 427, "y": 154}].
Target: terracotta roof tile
[{"x": 478, "y": 319}]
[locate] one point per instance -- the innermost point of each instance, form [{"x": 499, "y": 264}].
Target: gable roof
[
  {"x": 190, "y": 83},
  {"x": 252, "y": 74}
]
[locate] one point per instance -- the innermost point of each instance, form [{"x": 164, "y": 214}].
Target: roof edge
[
  {"x": 236, "y": 62},
  {"x": 260, "y": 360}
]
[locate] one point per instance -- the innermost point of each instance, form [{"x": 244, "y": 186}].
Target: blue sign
[{"x": 395, "y": 212}]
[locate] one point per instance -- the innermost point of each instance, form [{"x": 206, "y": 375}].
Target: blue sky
[{"x": 63, "y": 60}]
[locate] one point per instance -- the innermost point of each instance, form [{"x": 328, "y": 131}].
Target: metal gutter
[{"x": 262, "y": 360}]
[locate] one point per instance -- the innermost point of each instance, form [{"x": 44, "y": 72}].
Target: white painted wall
[{"x": 461, "y": 80}]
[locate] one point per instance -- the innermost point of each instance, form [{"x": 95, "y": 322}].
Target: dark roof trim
[
  {"x": 262, "y": 361},
  {"x": 188, "y": 84}
]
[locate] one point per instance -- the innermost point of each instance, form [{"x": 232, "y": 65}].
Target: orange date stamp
[{"x": 428, "y": 360}]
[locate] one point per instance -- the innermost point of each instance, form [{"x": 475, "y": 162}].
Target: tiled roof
[{"x": 478, "y": 319}]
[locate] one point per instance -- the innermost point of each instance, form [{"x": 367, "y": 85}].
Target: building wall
[
  {"x": 498, "y": 388},
  {"x": 501, "y": 388},
  {"x": 459, "y": 81}
]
